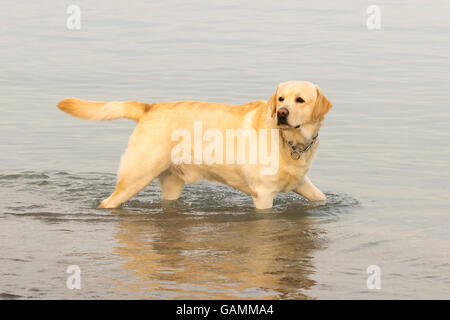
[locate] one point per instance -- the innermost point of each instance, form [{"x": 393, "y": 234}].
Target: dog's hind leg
[
  {"x": 171, "y": 185},
  {"x": 137, "y": 170}
]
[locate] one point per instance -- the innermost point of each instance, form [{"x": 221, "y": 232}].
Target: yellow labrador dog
[{"x": 287, "y": 125}]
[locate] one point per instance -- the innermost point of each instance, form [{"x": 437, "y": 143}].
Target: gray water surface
[{"x": 383, "y": 159}]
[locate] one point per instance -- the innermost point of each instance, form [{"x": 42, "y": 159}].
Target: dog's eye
[
  {"x": 280, "y": 99},
  {"x": 300, "y": 100}
]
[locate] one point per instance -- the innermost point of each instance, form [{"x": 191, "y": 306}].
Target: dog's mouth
[
  {"x": 286, "y": 126},
  {"x": 282, "y": 121}
]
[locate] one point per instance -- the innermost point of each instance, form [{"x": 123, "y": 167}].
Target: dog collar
[{"x": 296, "y": 154}]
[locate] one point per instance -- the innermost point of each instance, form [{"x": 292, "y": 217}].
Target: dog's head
[{"x": 297, "y": 102}]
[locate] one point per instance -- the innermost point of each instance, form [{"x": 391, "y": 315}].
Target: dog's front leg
[
  {"x": 309, "y": 191},
  {"x": 263, "y": 199}
]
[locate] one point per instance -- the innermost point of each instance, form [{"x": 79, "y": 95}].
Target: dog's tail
[{"x": 95, "y": 110}]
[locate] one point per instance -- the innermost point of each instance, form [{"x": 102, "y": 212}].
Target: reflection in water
[
  {"x": 222, "y": 256},
  {"x": 209, "y": 244}
]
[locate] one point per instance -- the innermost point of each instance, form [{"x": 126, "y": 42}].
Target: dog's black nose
[{"x": 283, "y": 112}]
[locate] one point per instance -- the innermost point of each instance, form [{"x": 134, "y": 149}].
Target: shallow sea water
[{"x": 383, "y": 159}]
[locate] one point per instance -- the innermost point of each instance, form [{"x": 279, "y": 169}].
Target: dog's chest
[
  {"x": 291, "y": 171},
  {"x": 290, "y": 176}
]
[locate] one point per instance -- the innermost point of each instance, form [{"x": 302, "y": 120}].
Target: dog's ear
[
  {"x": 322, "y": 105},
  {"x": 272, "y": 105}
]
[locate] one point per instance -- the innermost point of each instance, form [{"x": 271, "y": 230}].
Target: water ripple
[{"x": 58, "y": 195}]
